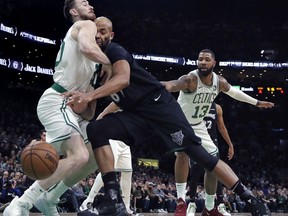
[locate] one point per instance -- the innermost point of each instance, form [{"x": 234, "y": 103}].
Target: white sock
[
  {"x": 125, "y": 184},
  {"x": 56, "y": 191},
  {"x": 210, "y": 201},
  {"x": 32, "y": 193},
  {"x": 181, "y": 190},
  {"x": 97, "y": 185}
]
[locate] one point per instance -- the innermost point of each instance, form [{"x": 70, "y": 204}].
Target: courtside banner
[
  {"x": 23, "y": 66},
  {"x": 8, "y": 29},
  {"x": 157, "y": 58},
  {"x": 148, "y": 162}
]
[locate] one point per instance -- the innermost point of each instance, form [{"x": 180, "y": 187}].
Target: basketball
[{"x": 39, "y": 160}]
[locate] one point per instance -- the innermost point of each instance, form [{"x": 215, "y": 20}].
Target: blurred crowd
[{"x": 259, "y": 138}]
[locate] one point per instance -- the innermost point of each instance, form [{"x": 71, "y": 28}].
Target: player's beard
[
  {"x": 206, "y": 72},
  {"x": 89, "y": 16},
  {"x": 103, "y": 44}
]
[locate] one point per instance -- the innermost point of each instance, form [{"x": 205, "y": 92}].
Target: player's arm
[
  {"x": 84, "y": 33},
  {"x": 184, "y": 83},
  {"x": 240, "y": 95},
  {"x": 223, "y": 131},
  {"x": 112, "y": 107},
  {"x": 119, "y": 80}
]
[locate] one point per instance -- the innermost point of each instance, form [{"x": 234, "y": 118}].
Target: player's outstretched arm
[
  {"x": 182, "y": 84},
  {"x": 241, "y": 96}
]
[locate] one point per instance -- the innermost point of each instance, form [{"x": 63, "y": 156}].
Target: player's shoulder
[
  {"x": 84, "y": 23},
  {"x": 192, "y": 75},
  {"x": 113, "y": 45},
  {"x": 222, "y": 80},
  {"x": 223, "y": 83},
  {"x": 115, "y": 49}
]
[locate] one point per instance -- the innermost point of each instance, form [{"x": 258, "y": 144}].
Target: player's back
[
  {"x": 73, "y": 70},
  {"x": 142, "y": 83}
]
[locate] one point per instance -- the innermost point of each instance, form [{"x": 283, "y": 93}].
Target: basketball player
[
  {"x": 213, "y": 120},
  {"x": 76, "y": 62},
  {"x": 123, "y": 164},
  {"x": 147, "y": 108},
  {"x": 198, "y": 89}
]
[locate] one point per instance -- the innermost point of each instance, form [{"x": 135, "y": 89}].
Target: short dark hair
[
  {"x": 68, "y": 4},
  {"x": 42, "y": 131},
  {"x": 208, "y": 51}
]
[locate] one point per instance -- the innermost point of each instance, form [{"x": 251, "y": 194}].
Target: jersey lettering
[
  {"x": 204, "y": 98},
  {"x": 200, "y": 111},
  {"x": 208, "y": 124},
  {"x": 117, "y": 96},
  {"x": 60, "y": 54}
]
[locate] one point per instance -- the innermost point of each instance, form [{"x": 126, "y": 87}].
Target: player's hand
[
  {"x": 265, "y": 104},
  {"x": 230, "y": 152},
  {"x": 79, "y": 97},
  {"x": 167, "y": 85}
]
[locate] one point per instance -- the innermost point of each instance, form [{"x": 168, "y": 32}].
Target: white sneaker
[
  {"x": 191, "y": 209},
  {"x": 3, "y": 206},
  {"x": 222, "y": 210},
  {"x": 17, "y": 208},
  {"x": 130, "y": 212},
  {"x": 47, "y": 207},
  {"x": 86, "y": 204}
]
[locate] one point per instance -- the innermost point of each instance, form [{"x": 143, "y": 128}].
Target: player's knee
[
  {"x": 80, "y": 159},
  {"x": 97, "y": 134},
  {"x": 211, "y": 163},
  {"x": 198, "y": 154}
]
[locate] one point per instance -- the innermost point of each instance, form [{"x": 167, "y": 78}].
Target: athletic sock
[
  {"x": 239, "y": 188},
  {"x": 110, "y": 181},
  {"x": 181, "y": 190},
  {"x": 210, "y": 201},
  {"x": 125, "y": 183},
  {"x": 56, "y": 191},
  {"x": 32, "y": 193},
  {"x": 98, "y": 184}
]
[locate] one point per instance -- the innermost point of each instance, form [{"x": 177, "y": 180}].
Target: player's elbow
[
  {"x": 86, "y": 50},
  {"x": 124, "y": 83}
]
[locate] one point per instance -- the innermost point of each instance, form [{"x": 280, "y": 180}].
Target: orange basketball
[{"x": 39, "y": 160}]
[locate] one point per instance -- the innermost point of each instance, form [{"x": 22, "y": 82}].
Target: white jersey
[
  {"x": 196, "y": 105},
  {"x": 73, "y": 70}
]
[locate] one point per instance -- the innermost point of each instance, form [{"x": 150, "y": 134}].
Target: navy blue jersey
[
  {"x": 211, "y": 122},
  {"x": 142, "y": 83}
]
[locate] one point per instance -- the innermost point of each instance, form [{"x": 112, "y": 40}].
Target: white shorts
[
  {"x": 58, "y": 119},
  {"x": 122, "y": 156},
  {"x": 201, "y": 131}
]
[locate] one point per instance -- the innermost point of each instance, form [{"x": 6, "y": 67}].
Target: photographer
[{"x": 8, "y": 188}]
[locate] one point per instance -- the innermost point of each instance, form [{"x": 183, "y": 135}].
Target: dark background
[{"x": 234, "y": 30}]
